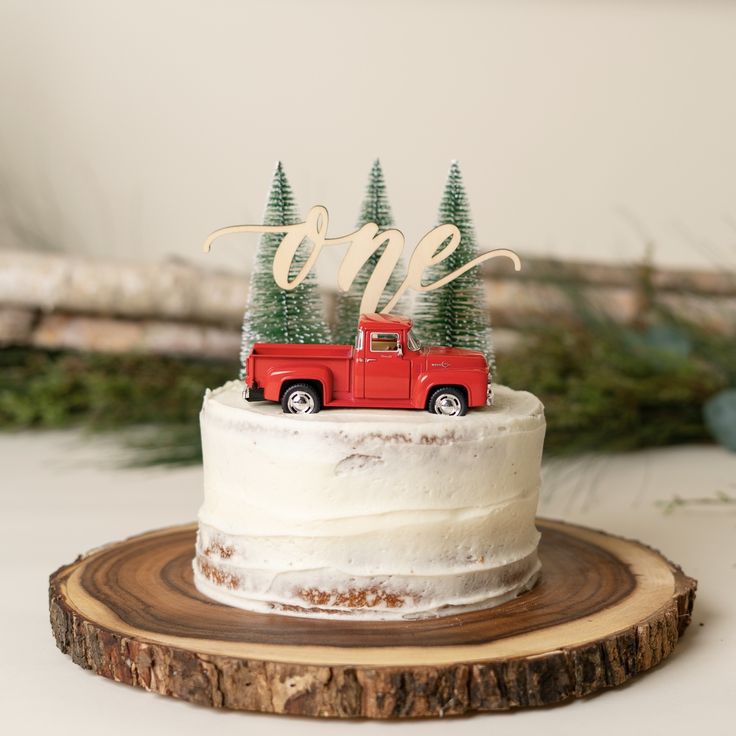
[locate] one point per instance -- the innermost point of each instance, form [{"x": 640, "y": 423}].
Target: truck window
[{"x": 384, "y": 342}]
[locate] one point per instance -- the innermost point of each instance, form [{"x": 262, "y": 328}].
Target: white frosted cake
[{"x": 372, "y": 514}]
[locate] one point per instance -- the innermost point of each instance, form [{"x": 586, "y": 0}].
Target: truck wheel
[
  {"x": 301, "y": 398},
  {"x": 448, "y": 401}
]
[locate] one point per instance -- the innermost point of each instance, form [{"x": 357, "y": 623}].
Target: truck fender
[
  {"x": 277, "y": 377},
  {"x": 427, "y": 382}
]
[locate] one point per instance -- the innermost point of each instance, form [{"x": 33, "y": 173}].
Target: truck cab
[
  {"x": 385, "y": 349},
  {"x": 387, "y": 367}
]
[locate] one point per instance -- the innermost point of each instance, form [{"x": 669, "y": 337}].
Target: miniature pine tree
[
  {"x": 456, "y": 315},
  {"x": 376, "y": 209},
  {"x": 273, "y": 314}
]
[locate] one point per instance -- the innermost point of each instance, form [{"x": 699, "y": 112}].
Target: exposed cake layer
[
  {"x": 370, "y": 513},
  {"x": 330, "y": 593}
]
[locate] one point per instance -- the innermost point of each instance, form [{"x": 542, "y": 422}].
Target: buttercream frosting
[{"x": 368, "y": 513}]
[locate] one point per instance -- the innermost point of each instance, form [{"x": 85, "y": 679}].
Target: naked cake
[
  {"x": 409, "y": 496},
  {"x": 381, "y": 514}
]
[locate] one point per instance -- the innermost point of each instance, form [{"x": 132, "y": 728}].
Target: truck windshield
[{"x": 412, "y": 342}]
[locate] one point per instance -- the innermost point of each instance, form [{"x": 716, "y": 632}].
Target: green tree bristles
[
  {"x": 273, "y": 314},
  {"x": 376, "y": 209},
  {"x": 457, "y": 314}
]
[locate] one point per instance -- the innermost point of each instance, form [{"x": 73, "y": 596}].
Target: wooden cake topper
[{"x": 433, "y": 248}]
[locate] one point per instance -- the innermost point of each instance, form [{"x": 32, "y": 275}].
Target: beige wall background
[{"x": 584, "y": 129}]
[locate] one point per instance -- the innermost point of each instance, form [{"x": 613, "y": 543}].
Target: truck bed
[
  {"x": 268, "y": 358},
  {"x": 293, "y": 350}
]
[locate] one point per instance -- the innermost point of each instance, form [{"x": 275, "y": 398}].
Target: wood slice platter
[{"x": 604, "y": 610}]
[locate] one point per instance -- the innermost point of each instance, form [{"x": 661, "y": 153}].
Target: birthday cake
[
  {"x": 409, "y": 496},
  {"x": 368, "y": 513}
]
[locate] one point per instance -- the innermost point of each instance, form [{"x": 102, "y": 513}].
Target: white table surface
[{"x": 62, "y": 495}]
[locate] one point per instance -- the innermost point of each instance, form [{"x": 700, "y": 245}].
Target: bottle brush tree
[
  {"x": 273, "y": 314},
  {"x": 376, "y": 209},
  {"x": 456, "y": 315}
]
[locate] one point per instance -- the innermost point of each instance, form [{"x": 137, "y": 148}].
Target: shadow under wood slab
[{"x": 604, "y": 610}]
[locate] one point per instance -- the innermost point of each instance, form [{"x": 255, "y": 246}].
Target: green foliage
[
  {"x": 273, "y": 314},
  {"x": 376, "y": 209},
  {"x": 160, "y": 397},
  {"x": 456, "y": 315},
  {"x": 719, "y": 499},
  {"x": 606, "y": 387},
  {"x": 719, "y": 413},
  {"x": 716, "y": 349}
]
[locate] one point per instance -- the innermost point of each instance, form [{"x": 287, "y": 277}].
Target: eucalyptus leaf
[
  {"x": 720, "y": 418},
  {"x": 669, "y": 339}
]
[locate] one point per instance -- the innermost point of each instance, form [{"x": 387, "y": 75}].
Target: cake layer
[
  {"x": 439, "y": 542},
  {"x": 330, "y": 593},
  {"x": 402, "y": 505}
]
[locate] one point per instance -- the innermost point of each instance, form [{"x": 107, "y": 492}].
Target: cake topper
[
  {"x": 375, "y": 207},
  {"x": 437, "y": 245}
]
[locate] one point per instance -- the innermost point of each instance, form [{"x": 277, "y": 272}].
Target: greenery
[
  {"x": 719, "y": 499},
  {"x": 456, "y": 315},
  {"x": 720, "y": 417},
  {"x": 157, "y": 398},
  {"x": 273, "y": 314},
  {"x": 605, "y": 386},
  {"x": 608, "y": 387},
  {"x": 376, "y": 209}
]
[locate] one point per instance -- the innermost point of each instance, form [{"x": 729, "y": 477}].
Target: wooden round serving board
[{"x": 604, "y": 610}]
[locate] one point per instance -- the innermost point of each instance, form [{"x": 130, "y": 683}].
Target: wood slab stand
[{"x": 605, "y": 610}]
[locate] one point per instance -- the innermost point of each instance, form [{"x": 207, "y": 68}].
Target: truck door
[{"x": 387, "y": 372}]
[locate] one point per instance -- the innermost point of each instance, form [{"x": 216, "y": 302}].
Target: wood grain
[{"x": 604, "y": 610}]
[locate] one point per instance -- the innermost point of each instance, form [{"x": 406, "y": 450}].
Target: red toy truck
[{"x": 386, "y": 368}]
